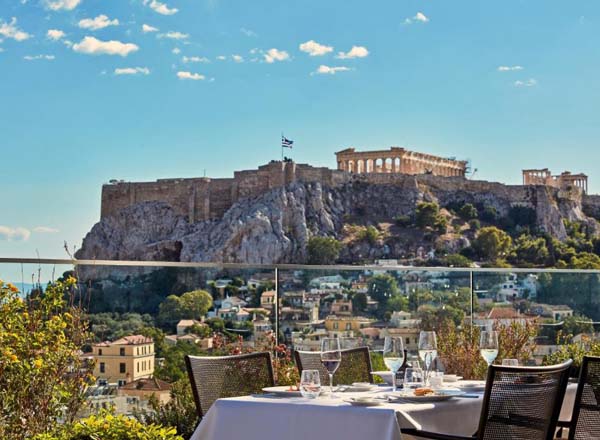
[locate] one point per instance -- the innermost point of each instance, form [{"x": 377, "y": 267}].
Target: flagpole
[{"x": 282, "y": 146}]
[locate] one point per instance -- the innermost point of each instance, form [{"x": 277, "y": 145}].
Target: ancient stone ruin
[{"x": 564, "y": 180}]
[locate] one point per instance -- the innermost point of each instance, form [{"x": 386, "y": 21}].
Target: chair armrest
[{"x": 435, "y": 435}]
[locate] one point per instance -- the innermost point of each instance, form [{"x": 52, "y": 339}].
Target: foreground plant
[
  {"x": 106, "y": 426},
  {"x": 42, "y": 376}
]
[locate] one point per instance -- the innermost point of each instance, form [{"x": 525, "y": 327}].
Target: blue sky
[{"x": 88, "y": 93}]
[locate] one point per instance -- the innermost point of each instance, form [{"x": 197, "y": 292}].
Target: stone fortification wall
[{"x": 205, "y": 198}]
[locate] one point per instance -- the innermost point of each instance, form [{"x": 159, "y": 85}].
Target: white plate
[
  {"x": 283, "y": 391},
  {"x": 357, "y": 387},
  {"x": 363, "y": 402},
  {"x": 385, "y": 375},
  {"x": 451, "y": 378},
  {"x": 421, "y": 399},
  {"x": 470, "y": 385}
]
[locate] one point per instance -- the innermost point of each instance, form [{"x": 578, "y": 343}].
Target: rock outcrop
[{"x": 275, "y": 226}]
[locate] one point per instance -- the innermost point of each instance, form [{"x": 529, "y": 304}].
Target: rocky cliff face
[{"x": 275, "y": 227}]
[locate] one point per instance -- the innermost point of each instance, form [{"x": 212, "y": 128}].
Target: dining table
[{"x": 273, "y": 417}]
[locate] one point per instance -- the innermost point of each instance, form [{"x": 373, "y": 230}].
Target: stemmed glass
[
  {"x": 331, "y": 357},
  {"x": 488, "y": 346},
  {"x": 393, "y": 356},
  {"x": 427, "y": 351}
]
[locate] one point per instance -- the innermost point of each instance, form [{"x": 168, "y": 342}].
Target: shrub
[
  {"x": 370, "y": 234},
  {"x": 179, "y": 412},
  {"x": 427, "y": 214},
  {"x": 468, "y": 212},
  {"x": 489, "y": 214},
  {"x": 42, "y": 377},
  {"x": 323, "y": 250},
  {"x": 403, "y": 221},
  {"x": 475, "y": 224},
  {"x": 107, "y": 426},
  {"x": 457, "y": 260}
]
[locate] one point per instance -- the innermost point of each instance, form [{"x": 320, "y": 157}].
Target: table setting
[{"x": 315, "y": 408}]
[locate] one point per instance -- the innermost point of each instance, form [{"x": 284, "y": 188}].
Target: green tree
[
  {"x": 530, "y": 250},
  {"x": 359, "y": 302},
  {"x": 457, "y": 260},
  {"x": 397, "y": 303},
  {"x": 370, "y": 234},
  {"x": 492, "y": 243},
  {"x": 468, "y": 212},
  {"x": 195, "y": 304},
  {"x": 427, "y": 214},
  {"x": 382, "y": 287},
  {"x": 323, "y": 250},
  {"x": 169, "y": 312}
]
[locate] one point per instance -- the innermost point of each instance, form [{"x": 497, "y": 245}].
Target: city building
[{"x": 124, "y": 360}]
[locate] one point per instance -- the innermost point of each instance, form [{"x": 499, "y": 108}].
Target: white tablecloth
[{"x": 279, "y": 418}]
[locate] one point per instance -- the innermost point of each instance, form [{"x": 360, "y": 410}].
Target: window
[
  {"x": 138, "y": 366},
  {"x": 99, "y": 352},
  {"x": 335, "y": 325},
  {"x": 102, "y": 367},
  {"x": 348, "y": 326},
  {"x": 122, "y": 351},
  {"x": 121, "y": 368},
  {"x": 138, "y": 350}
]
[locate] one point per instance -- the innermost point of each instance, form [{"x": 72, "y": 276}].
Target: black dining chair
[
  {"x": 585, "y": 419},
  {"x": 518, "y": 403},
  {"x": 354, "y": 367},
  {"x": 216, "y": 377}
]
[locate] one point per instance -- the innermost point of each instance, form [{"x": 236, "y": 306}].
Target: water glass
[
  {"x": 310, "y": 384},
  {"x": 436, "y": 379},
  {"x": 393, "y": 356},
  {"x": 510, "y": 362},
  {"x": 413, "y": 378},
  {"x": 427, "y": 350}
]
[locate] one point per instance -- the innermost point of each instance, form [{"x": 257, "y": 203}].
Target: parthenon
[
  {"x": 563, "y": 180},
  {"x": 398, "y": 160}
]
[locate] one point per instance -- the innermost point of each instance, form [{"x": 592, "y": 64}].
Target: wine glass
[
  {"x": 331, "y": 357},
  {"x": 310, "y": 384},
  {"x": 413, "y": 378},
  {"x": 393, "y": 356},
  {"x": 488, "y": 345},
  {"x": 427, "y": 351}
]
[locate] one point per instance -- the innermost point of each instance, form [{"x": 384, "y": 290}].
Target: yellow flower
[
  {"x": 38, "y": 363},
  {"x": 12, "y": 288},
  {"x": 13, "y": 357}
]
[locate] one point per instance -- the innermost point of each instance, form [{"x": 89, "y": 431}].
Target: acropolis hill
[
  {"x": 267, "y": 215},
  {"x": 207, "y": 198}
]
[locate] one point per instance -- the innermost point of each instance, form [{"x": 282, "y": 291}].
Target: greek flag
[{"x": 286, "y": 142}]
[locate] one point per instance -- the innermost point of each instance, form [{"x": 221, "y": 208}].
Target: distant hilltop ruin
[{"x": 203, "y": 198}]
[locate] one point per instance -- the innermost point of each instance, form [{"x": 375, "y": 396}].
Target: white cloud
[
  {"x": 14, "y": 234},
  {"x": 147, "y": 28},
  {"x": 420, "y": 17},
  {"x": 100, "y": 22},
  {"x": 132, "y": 71},
  {"x": 1, "y": 49},
  {"x": 326, "y": 70},
  {"x": 174, "y": 35},
  {"x": 54, "y": 34},
  {"x": 221, "y": 57},
  {"x": 248, "y": 32},
  {"x": 10, "y": 30},
  {"x": 161, "y": 8},
  {"x": 38, "y": 57},
  {"x": 93, "y": 46},
  {"x": 355, "y": 52},
  {"x": 195, "y": 59},
  {"x": 190, "y": 75},
  {"x": 237, "y": 58},
  {"x": 176, "y": 51},
  {"x": 315, "y": 49},
  {"x": 58, "y": 5},
  {"x": 531, "y": 82},
  {"x": 273, "y": 55},
  {"x": 45, "y": 230},
  {"x": 509, "y": 68}
]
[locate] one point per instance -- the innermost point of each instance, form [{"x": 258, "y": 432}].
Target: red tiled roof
[
  {"x": 127, "y": 340},
  {"x": 504, "y": 313},
  {"x": 148, "y": 385}
]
